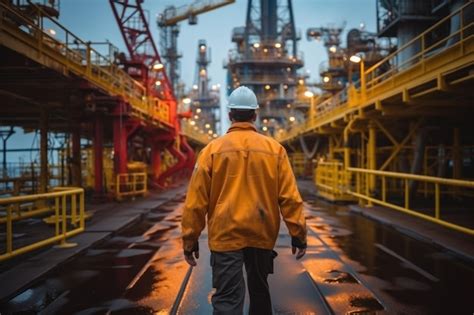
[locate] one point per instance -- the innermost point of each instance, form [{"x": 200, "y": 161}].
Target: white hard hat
[{"x": 242, "y": 98}]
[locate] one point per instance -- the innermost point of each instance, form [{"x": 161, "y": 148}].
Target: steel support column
[
  {"x": 43, "y": 182},
  {"x": 76, "y": 157},
  {"x": 120, "y": 145},
  {"x": 371, "y": 156},
  {"x": 98, "y": 155}
]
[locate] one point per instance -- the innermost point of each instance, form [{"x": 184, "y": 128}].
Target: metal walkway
[{"x": 353, "y": 265}]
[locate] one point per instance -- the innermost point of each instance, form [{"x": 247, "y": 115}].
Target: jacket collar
[{"x": 242, "y": 126}]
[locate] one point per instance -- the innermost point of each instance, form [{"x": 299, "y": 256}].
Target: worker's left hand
[{"x": 301, "y": 252}]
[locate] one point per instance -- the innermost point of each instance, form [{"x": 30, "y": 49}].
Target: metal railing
[
  {"x": 332, "y": 180},
  {"x": 130, "y": 185},
  {"x": 194, "y": 133},
  {"x": 66, "y": 204},
  {"x": 364, "y": 176},
  {"x": 82, "y": 59},
  {"x": 419, "y": 59}
]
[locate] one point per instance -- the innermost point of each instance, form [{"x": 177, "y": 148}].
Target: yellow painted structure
[
  {"x": 372, "y": 131},
  {"x": 63, "y": 203},
  {"x": 130, "y": 185}
]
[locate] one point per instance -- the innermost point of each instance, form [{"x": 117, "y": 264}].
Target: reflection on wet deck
[{"x": 352, "y": 265}]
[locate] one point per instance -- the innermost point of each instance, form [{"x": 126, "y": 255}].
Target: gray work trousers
[{"x": 228, "y": 280}]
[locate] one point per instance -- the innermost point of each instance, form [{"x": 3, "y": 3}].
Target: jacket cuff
[
  {"x": 190, "y": 247},
  {"x": 296, "y": 242}
]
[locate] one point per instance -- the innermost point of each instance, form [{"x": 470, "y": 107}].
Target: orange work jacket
[{"x": 243, "y": 182}]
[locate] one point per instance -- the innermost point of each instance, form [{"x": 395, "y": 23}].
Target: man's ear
[
  {"x": 230, "y": 116},
  {"x": 254, "y": 118}
]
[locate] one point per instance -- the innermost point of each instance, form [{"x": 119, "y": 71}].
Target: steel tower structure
[{"x": 266, "y": 60}]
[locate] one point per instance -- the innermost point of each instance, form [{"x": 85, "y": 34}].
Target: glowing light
[
  {"x": 202, "y": 72},
  {"x": 256, "y": 45},
  {"x": 326, "y": 79},
  {"x": 333, "y": 49},
  {"x": 218, "y": 85},
  {"x": 300, "y": 81},
  {"x": 158, "y": 66},
  {"x": 267, "y": 87},
  {"x": 202, "y": 47},
  {"x": 195, "y": 87},
  {"x": 277, "y": 45},
  {"x": 292, "y": 118},
  {"x": 215, "y": 135},
  {"x": 186, "y": 100},
  {"x": 210, "y": 132},
  {"x": 158, "y": 83},
  {"x": 207, "y": 126},
  {"x": 264, "y": 128},
  {"x": 196, "y": 116},
  {"x": 265, "y": 121},
  {"x": 308, "y": 94},
  {"x": 355, "y": 59},
  {"x": 288, "y": 105},
  {"x": 285, "y": 86},
  {"x": 265, "y": 50},
  {"x": 198, "y": 110},
  {"x": 192, "y": 122},
  {"x": 214, "y": 87},
  {"x": 362, "y": 25},
  {"x": 51, "y": 32}
]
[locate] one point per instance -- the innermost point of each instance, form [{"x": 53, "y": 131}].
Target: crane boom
[{"x": 172, "y": 15}]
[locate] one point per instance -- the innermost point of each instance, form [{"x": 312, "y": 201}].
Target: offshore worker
[{"x": 243, "y": 182}]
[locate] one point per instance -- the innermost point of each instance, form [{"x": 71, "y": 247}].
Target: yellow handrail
[
  {"x": 130, "y": 184},
  {"x": 365, "y": 194},
  {"x": 66, "y": 202},
  {"x": 80, "y": 58}
]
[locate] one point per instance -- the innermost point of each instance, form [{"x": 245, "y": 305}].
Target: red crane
[{"x": 144, "y": 64}]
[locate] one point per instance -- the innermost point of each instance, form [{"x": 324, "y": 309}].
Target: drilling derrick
[
  {"x": 205, "y": 99},
  {"x": 266, "y": 60}
]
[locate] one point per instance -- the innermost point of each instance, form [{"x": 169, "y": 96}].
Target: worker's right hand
[
  {"x": 188, "y": 256},
  {"x": 300, "y": 253}
]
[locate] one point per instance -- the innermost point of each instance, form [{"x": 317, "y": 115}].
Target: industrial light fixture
[
  {"x": 333, "y": 49},
  {"x": 264, "y": 128},
  {"x": 265, "y": 121},
  {"x": 196, "y": 116},
  {"x": 157, "y": 82},
  {"x": 186, "y": 100},
  {"x": 292, "y": 118},
  {"x": 265, "y": 50},
  {"x": 256, "y": 45},
  {"x": 158, "y": 66},
  {"x": 326, "y": 79},
  {"x": 285, "y": 86},
  {"x": 192, "y": 122},
  {"x": 267, "y": 87},
  {"x": 301, "y": 81},
  {"x": 277, "y": 45},
  {"x": 210, "y": 132},
  {"x": 355, "y": 58},
  {"x": 195, "y": 87},
  {"x": 202, "y": 47},
  {"x": 198, "y": 110},
  {"x": 308, "y": 94},
  {"x": 207, "y": 126},
  {"x": 288, "y": 105},
  {"x": 51, "y": 32},
  {"x": 215, "y": 135}
]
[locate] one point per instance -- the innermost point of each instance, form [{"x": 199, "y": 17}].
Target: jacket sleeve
[
  {"x": 196, "y": 203},
  {"x": 290, "y": 202}
]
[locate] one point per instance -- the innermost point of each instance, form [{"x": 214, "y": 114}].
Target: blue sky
[{"x": 92, "y": 20}]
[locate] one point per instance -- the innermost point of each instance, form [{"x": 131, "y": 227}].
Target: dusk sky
[{"x": 92, "y": 20}]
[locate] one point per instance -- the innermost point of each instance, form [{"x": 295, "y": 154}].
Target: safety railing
[
  {"x": 51, "y": 39},
  {"x": 402, "y": 200},
  {"x": 65, "y": 204},
  {"x": 332, "y": 181},
  {"x": 439, "y": 46},
  {"x": 438, "y": 38},
  {"x": 193, "y": 132},
  {"x": 130, "y": 185}
]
